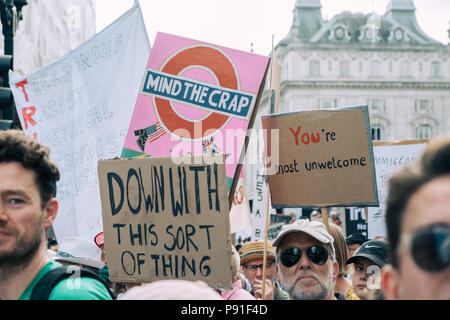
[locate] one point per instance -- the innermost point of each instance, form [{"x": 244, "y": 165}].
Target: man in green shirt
[{"x": 28, "y": 207}]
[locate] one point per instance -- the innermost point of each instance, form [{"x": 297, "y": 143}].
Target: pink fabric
[{"x": 237, "y": 293}]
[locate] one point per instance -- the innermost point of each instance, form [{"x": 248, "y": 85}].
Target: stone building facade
[{"x": 386, "y": 62}]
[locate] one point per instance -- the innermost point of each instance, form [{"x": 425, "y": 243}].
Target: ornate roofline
[{"x": 365, "y": 84}]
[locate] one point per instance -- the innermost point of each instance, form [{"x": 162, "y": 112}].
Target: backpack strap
[{"x": 45, "y": 285}]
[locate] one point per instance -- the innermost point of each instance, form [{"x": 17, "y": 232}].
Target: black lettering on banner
[
  {"x": 115, "y": 209},
  {"x": 137, "y": 235},
  {"x": 196, "y": 169},
  {"x": 130, "y": 273},
  {"x": 132, "y": 172},
  {"x": 118, "y": 226},
  {"x": 205, "y": 270},
  {"x": 173, "y": 237},
  {"x": 157, "y": 181},
  {"x": 188, "y": 237},
  {"x": 177, "y": 206},
  {"x": 207, "y": 233},
  {"x": 213, "y": 190},
  {"x": 155, "y": 258}
]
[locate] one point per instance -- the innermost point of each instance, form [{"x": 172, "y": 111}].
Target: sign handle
[
  {"x": 325, "y": 218},
  {"x": 366, "y": 211},
  {"x": 266, "y": 232}
]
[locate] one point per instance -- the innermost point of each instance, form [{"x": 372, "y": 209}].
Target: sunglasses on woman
[
  {"x": 317, "y": 254},
  {"x": 430, "y": 247}
]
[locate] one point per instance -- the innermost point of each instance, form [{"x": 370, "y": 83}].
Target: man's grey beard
[
  {"x": 322, "y": 294},
  {"x": 23, "y": 253}
]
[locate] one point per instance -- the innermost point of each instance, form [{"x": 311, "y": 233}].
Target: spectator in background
[
  {"x": 306, "y": 261},
  {"x": 238, "y": 292},
  {"x": 343, "y": 285},
  {"x": 315, "y": 216},
  {"x": 418, "y": 227},
  {"x": 367, "y": 263},
  {"x": 52, "y": 244},
  {"x": 354, "y": 241},
  {"x": 252, "y": 262}
]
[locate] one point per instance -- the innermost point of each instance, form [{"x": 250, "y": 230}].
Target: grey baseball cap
[{"x": 315, "y": 229}]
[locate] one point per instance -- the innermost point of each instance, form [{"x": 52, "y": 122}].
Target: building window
[
  {"x": 377, "y": 105},
  {"x": 327, "y": 103},
  {"x": 330, "y": 66},
  {"x": 344, "y": 68},
  {"x": 376, "y": 69},
  {"x": 377, "y": 132},
  {"x": 435, "y": 69},
  {"x": 314, "y": 68},
  {"x": 423, "y": 106},
  {"x": 405, "y": 69},
  {"x": 424, "y": 131}
]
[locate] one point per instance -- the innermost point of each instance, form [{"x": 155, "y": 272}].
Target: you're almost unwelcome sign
[
  {"x": 325, "y": 158},
  {"x": 164, "y": 220}
]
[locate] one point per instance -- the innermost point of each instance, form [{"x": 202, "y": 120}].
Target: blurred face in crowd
[
  {"x": 306, "y": 280},
  {"x": 316, "y": 216},
  {"x": 253, "y": 271},
  {"x": 23, "y": 220},
  {"x": 365, "y": 271},
  {"x": 351, "y": 249},
  {"x": 428, "y": 206}
]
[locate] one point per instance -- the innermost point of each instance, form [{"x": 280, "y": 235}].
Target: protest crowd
[
  {"x": 306, "y": 261},
  {"x": 166, "y": 230}
]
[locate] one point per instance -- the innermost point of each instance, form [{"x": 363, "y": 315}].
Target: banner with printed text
[
  {"x": 196, "y": 98},
  {"x": 81, "y": 106}
]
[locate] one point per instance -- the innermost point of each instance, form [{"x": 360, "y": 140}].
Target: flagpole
[{"x": 266, "y": 229}]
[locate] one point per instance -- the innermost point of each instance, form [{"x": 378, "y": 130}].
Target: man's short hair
[
  {"x": 434, "y": 162},
  {"x": 16, "y": 146}
]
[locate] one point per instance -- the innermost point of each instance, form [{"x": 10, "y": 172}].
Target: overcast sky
[{"x": 238, "y": 23}]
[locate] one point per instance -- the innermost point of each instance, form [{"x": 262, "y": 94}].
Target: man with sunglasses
[
  {"x": 306, "y": 262},
  {"x": 252, "y": 262},
  {"x": 418, "y": 227}
]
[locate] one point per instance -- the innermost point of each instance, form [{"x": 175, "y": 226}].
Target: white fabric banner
[
  {"x": 260, "y": 206},
  {"x": 240, "y": 210},
  {"x": 81, "y": 106},
  {"x": 388, "y": 159}
]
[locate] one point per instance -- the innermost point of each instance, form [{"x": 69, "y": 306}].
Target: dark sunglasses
[
  {"x": 317, "y": 254},
  {"x": 430, "y": 247}
]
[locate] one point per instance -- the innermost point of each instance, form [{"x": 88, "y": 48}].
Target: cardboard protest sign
[
  {"x": 196, "y": 98},
  {"x": 389, "y": 157},
  {"x": 164, "y": 220},
  {"x": 325, "y": 158},
  {"x": 80, "y": 106}
]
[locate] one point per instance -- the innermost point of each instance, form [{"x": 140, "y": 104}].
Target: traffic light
[{"x": 6, "y": 98}]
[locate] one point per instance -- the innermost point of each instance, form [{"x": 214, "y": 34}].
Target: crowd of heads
[{"x": 308, "y": 259}]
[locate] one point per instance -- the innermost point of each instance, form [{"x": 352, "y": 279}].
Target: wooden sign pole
[
  {"x": 266, "y": 232},
  {"x": 325, "y": 218}
]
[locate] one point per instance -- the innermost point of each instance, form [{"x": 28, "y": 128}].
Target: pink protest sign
[{"x": 196, "y": 98}]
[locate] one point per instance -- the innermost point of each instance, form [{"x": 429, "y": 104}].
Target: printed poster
[{"x": 196, "y": 98}]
